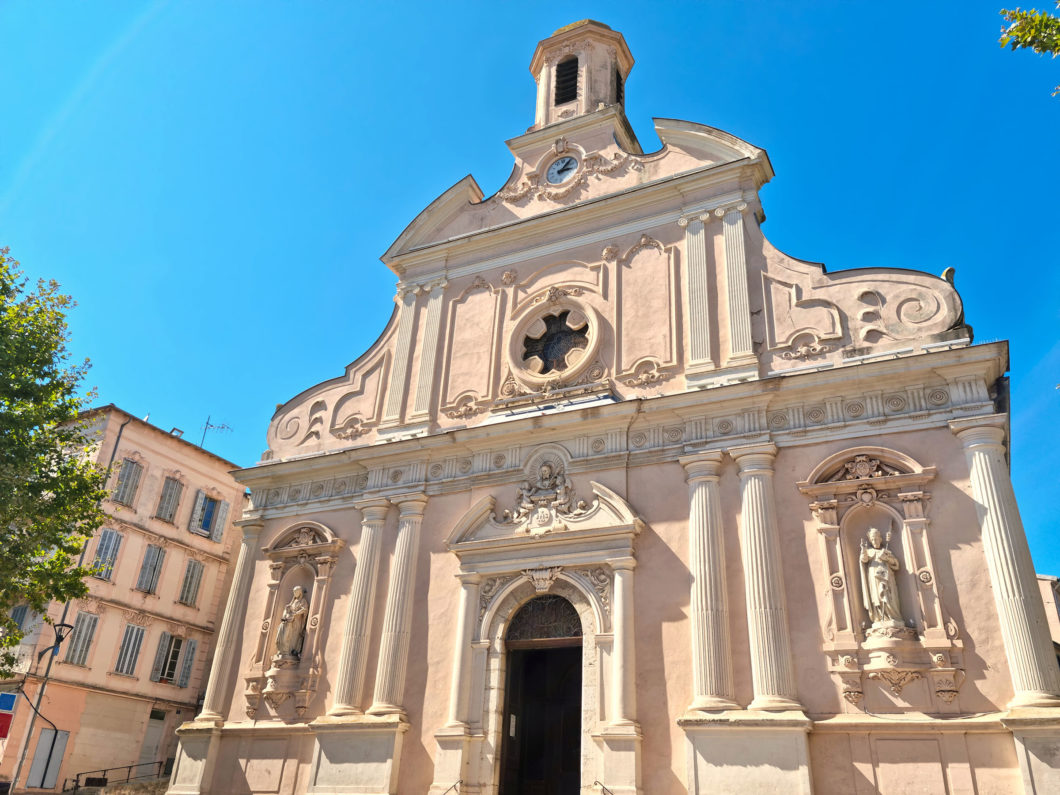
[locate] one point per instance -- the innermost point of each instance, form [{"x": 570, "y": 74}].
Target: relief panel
[{"x": 471, "y": 349}]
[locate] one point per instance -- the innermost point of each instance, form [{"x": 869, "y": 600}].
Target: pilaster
[
  {"x": 711, "y": 652},
  {"x": 772, "y": 670},
  {"x": 349, "y": 679},
  {"x": 699, "y": 319},
  {"x": 740, "y": 344},
  {"x": 395, "y": 398},
  {"x": 429, "y": 352},
  {"x": 1024, "y": 627}
]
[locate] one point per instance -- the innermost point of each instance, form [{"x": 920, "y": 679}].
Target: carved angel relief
[{"x": 544, "y": 500}]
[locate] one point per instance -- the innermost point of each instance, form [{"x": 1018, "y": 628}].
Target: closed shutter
[
  {"x": 220, "y": 519},
  {"x": 189, "y": 591},
  {"x": 148, "y": 568},
  {"x": 160, "y": 656},
  {"x": 130, "y": 649},
  {"x": 167, "y": 505},
  {"x": 106, "y": 553},
  {"x": 187, "y": 662},
  {"x": 128, "y": 480},
  {"x": 18, "y": 615},
  {"x": 196, "y": 512},
  {"x": 81, "y": 638}
]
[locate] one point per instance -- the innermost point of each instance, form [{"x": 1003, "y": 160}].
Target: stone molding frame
[
  {"x": 314, "y": 548},
  {"x": 844, "y": 487},
  {"x": 587, "y": 560}
]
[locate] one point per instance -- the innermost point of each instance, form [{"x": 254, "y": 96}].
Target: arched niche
[
  {"x": 851, "y": 492},
  {"x": 302, "y": 554},
  {"x": 582, "y": 551}
]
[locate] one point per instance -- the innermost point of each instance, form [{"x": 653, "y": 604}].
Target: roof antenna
[{"x": 209, "y": 426}]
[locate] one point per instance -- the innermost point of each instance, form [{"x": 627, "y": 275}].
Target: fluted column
[
  {"x": 458, "y": 688},
  {"x": 349, "y": 679},
  {"x": 1024, "y": 627},
  {"x": 736, "y": 281},
  {"x": 698, "y": 291},
  {"x": 711, "y": 655},
  {"x": 226, "y": 654},
  {"x": 772, "y": 671},
  {"x": 623, "y": 661},
  {"x": 394, "y": 650}
]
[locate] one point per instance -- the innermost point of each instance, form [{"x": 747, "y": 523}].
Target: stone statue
[
  {"x": 291, "y": 634},
  {"x": 879, "y": 590}
]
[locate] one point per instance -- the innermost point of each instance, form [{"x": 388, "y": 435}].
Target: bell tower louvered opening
[
  {"x": 620, "y": 89},
  {"x": 566, "y": 81}
]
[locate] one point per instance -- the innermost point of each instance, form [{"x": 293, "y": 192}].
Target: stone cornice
[{"x": 854, "y": 402}]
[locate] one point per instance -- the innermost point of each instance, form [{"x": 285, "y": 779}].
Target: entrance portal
[{"x": 541, "y": 748}]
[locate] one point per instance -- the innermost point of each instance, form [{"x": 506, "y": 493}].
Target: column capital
[
  {"x": 988, "y": 431},
  {"x": 469, "y": 578},
  {"x": 622, "y": 564},
  {"x": 701, "y": 217},
  {"x": 411, "y": 504},
  {"x": 754, "y": 458},
  {"x": 251, "y": 527},
  {"x": 725, "y": 209},
  {"x": 702, "y": 466},
  {"x": 374, "y": 510}
]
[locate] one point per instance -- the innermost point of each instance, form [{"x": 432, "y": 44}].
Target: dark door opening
[{"x": 541, "y": 750}]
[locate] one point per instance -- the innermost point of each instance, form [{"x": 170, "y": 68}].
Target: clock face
[{"x": 561, "y": 169}]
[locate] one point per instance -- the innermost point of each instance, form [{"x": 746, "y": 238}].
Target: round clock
[{"x": 561, "y": 169}]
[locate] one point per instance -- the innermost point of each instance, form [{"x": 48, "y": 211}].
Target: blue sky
[{"x": 214, "y": 182}]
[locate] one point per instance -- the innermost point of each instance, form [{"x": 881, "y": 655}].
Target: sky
[{"x": 214, "y": 182}]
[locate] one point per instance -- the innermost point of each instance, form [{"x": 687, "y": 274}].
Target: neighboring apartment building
[{"x": 134, "y": 665}]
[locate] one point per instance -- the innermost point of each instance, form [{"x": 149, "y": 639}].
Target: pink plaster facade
[
  {"x": 728, "y": 423},
  {"x": 114, "y": 706}
]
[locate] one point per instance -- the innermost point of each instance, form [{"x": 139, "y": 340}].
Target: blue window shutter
[
  {"x": 189, "y": 660},
  {"x": 160, "y": 656},
  {"x": 220, "y": 519}
]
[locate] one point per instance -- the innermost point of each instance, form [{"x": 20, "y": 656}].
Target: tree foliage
[
  {"x": 1034, "y": 30},
  {"x": 50, "y": 490}
]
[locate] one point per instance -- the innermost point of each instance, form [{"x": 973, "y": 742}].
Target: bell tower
[{"x": 579, "y": 69}]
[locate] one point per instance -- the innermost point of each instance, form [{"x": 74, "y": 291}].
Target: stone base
[
  {"x": 1037, "y": 736},
  {"x": 451, "y": 762},
  {"x": 747, "y": 751},
  {"x": 197, "y": 749},
  {"x": 356, "y": 754},
  {"x": 737, "y": 371},
  {"x": 621, "y": 763}
]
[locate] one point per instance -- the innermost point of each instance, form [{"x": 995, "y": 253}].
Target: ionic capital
[
  {"x": 372, "y": 510},
  {"x": 981, "y": 432},
  {"x": 725, "y": 209},
  {"x": 410, "y": 504},
  {"x": 754, "y": 458},
  {"x": 702, "y": 466}
]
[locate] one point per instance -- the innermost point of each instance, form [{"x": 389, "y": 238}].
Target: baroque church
[{"x": 625, "y": 500}]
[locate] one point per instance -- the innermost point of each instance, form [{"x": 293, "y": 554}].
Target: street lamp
[{"x": 62, "y": 631}]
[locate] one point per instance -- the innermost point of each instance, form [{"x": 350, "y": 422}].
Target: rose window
[{"x": 548, "y": 352}]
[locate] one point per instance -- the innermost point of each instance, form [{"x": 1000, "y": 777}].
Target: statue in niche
[
  {"x": 879, "y": 589},
  {"x": 291, "y": 634}
]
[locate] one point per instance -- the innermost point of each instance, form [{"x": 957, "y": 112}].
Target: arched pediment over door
[{"x": 554, "y": 542}]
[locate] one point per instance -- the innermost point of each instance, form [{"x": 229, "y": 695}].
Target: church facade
[{"x": 625, "y": 500}]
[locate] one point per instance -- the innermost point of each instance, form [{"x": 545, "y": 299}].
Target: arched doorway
[{"x": 541, "y": 741}]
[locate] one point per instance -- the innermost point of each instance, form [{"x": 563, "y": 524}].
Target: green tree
[
  {"x": 50, "y": 490},
  {"x": 1035, "y": 30}
]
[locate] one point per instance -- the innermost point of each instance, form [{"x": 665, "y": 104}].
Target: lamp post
[{"x": 62, "y": 631}]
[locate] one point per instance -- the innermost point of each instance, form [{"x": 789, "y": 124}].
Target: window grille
[
  {"x": 189, "y": 591},
  {"x": 129, "y": 651},
  {"x": 545, "y": 618},
  {"x": 81, "y": 638},
  {"x": 567, "y": 80},
  {"x": 106, "y": 553},
  {"x": 170, "y": 499},
  {"x": 128, "y": 480},
  {"x": 150, "y": 569}
]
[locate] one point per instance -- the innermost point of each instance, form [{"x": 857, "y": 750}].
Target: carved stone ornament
[
  {"x": 861, "y": 467},
  {"x": 896, "y": 679},
  {"x": 646, "y": 373},
  {"x": 591, "y": 164},
  {"x": 544, "y": 499},
  {"x": 351, "y": 428},
  {"x": 852, "y": 688},
  {"x": 542, "y": 579},
  {"x": 879, "y": 588},
  {"x": 464, "y": 408}
]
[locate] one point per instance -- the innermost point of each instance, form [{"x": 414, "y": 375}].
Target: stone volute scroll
[
  {"x": 884, "y": 622},
  {"x": 286, "y": 663}
]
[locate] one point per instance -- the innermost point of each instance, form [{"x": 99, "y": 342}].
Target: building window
[
  {"x": 128, "y": 480},
  {"x": 189, "y": 659},
  {"x": 189, "y": 591},
  {"x": 129, "y": 651},
  {"x": 81, "y": 638},
  {"x": 620, "y": 88},
  {"x": 209, "y": 516},
  {"x": 19, "y": 614},
  {"x": 166, "y": 658},
  {"x": 106, "y": 553},
  {"x": 151, "y": 569},
  {"x": 567, "y": 80},
  {"x": 167, "y": 504}
]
